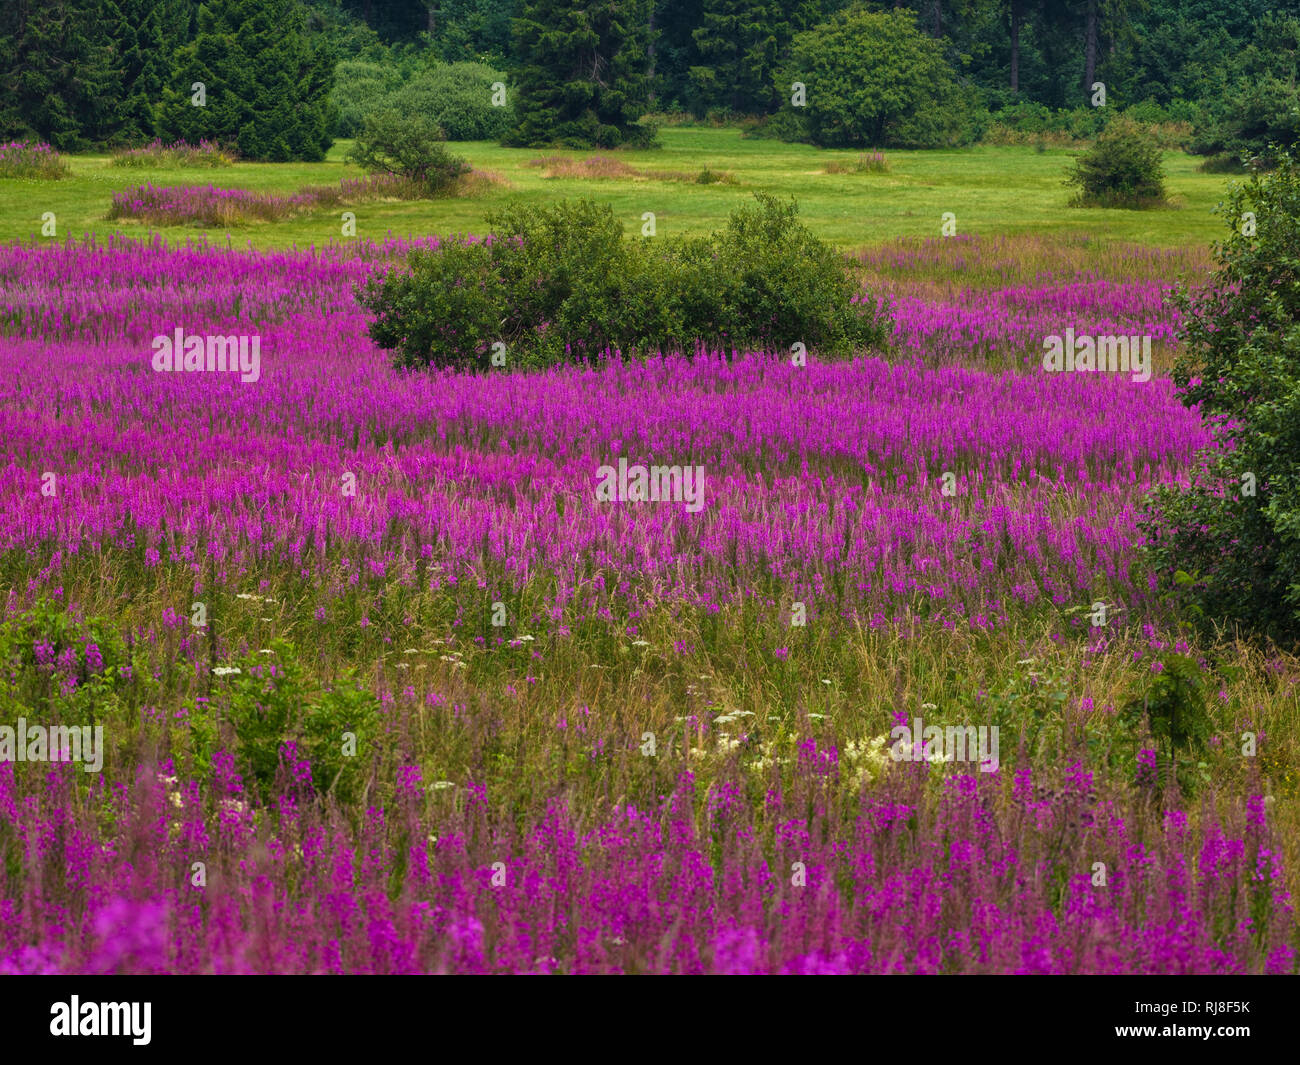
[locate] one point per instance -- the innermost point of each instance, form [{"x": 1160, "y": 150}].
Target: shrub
[
  {"x": 784, "y": 125},
  {"x": 1257, "y": 114},
  {"x": 1122, "y": 169},
  {"x": 768, "y": 281},
  {"x": 560, "y": 283},
  {"x": 1173, "y": 708},
  {"x": 714, "y": 177},
  {"x": 410, "y": 146},
  {"x": 458, "y": 98},
  {"x": 362, "y": 87},
  {"x": 1222, "y": 164},
  {"x": 19, "y": 159},
  {"x": 1228, "y": 544}
]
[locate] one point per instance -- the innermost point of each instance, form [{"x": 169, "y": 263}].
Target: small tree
[
  {"x": 1123, "y": 168},
  {"x": 1230, "y": 541},
  {"x": 410, "y": 146}
]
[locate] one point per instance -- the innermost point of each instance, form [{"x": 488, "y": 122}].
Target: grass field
[{"x": 992, "y": 190}]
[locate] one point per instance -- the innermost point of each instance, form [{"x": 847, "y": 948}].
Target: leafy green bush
[
  {"x": 458, "y": 98},
  {"x": 875, "y": 80},
  {"x": 270, "y": 703},
  {"x": 560, "y": 283},
  {"x": 410, "y": 146},
  {"x": 362, "y": 87},
  {"x": 1122, "y": 169},
  {"x": 1229, "y": 543}
]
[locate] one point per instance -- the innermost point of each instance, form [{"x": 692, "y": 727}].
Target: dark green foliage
[
  {"x": 874, "y": 80},
  {"x": 458, "y": 97},
  {"x": 581, "y": 79},
  {"x": 1230, "y": 543},
  {"x": 1252, "y": 122},
  {"x": 147, "y": 36},
  {"x": 738, "y": 45},
  {"x": 409, "y": 145},
  {"x": 1122, "y": 169},
  {"x": 60, "y": 75},
  {"x": 361, "y": 87},
  {"x": 267, "y": 83},
  {"x": 560, "y": 283},
  {"x": 1259, "y": 111}
]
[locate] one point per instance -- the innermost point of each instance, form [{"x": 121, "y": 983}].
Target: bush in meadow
[
  {"x": 1122, "y": 169},
  {"x": 1250, "y": 122},
  {"x": 22, "y": 159},
  {"x": 1231, "y": 540},
  {"x": 410, "y": 146},
  {"x": 560, "y": 283}
]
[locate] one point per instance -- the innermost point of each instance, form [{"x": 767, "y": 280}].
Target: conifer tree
[
  {"x": 265, "y": 83},
  {"x": 60, "y": 78},
  {"x": 581, "y": 79}
]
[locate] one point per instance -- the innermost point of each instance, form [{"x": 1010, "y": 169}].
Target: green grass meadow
[{"x": 990, "y": 189}]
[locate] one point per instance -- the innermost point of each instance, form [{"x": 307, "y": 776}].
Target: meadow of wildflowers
[{"x": 594, "y": 737}]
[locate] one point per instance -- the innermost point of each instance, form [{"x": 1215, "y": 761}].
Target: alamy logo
[
  {"x": 55, "y": 743},
  {"x": 102, "y": 1018},
  {"x": 658, "y": 484},
  {"x": 192, "y": 354},
  {"x": 960, "y": 743},
  {"x": 1087, "y": 354}
]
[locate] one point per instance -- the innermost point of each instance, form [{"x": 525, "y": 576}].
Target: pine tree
[
  {"x": 581, "y": 78},
  {"x": 265, "y": 83}
]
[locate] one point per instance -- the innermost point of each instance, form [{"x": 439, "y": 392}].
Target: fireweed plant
[{"x": 443, "y": 711}]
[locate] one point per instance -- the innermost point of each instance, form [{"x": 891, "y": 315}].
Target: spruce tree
[
  {"x": 581, "y": 79},
  {"x": 266, "y": 83},
  {"x": 740, "y": 44},
  {"x": 60, "y": 80},
  {"x": 147, "y": 35}
]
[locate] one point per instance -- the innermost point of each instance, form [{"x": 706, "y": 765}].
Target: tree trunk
[
  {"x": 936, "y": 17},
  {"x": 1090, "y": 47},
  {"x": 650, "y": 56},
  {"x": 1015, "y": 45}
]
